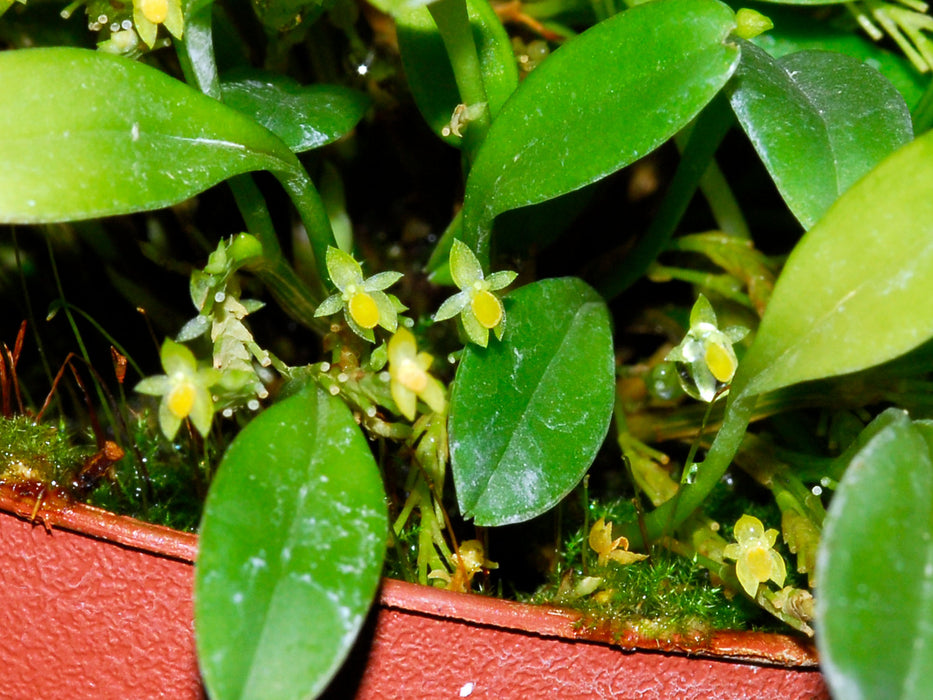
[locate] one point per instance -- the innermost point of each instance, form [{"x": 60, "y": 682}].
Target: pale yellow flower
[
  {"x": 609, "y": 549},
  {"x": 756, "y": 560},
  {"x": 409, "y": 376}
]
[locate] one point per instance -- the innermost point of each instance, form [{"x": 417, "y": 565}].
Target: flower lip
[
  {"x": 181, "y": 396},
  {"x": 156, "y": 11},
  {"x": 486, "y": 308},
  {"x": 363, "y": 309}
]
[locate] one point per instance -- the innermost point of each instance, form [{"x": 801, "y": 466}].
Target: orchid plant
[{"x": 687, "y": 349}]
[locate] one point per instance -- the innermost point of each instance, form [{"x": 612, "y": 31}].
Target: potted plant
[{"x": 553, "y": 338}]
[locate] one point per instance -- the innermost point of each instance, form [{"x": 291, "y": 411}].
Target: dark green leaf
[
  {"x": 528, "y": 413},
  {"x": 799, "y": 31},
  {"x": 283, "y": 15},
  {"x": 85, "y": 134},
  {"x": 855, "y": 290},
  {"x": 875, "y": 565},
  {"x": 428, "y": 71},
  {"x": 304, "y": 117},
  {"x": 599, "y": 102},
  {"x": 291, "y": 548},
  {"x": 819, "y": 121}
]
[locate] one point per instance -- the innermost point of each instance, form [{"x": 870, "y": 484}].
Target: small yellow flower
[
  {"x": 409, "y": 377},
  {"x": 364, "y": 304},
  {"x": 480, "y": 310},
  {"x": 607, "y": 548},
  {"x": 756, "y": 561},
  {"x": 469, "y": 560},
  {"x": 705, "y": 360},
  {"x": 185, "y": 390},
  {"x": 149, "y": 14}
]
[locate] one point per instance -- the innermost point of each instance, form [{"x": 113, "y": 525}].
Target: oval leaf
[
  {"x": 795, "y": 31},
  {"x": 528, "y": 413},
  {"x": 855, "y": 290},
  {"x": 648, "y": 71},
  {"x": 427, "y": 66},
  {"x": 291, "y": 548},
  {"x": 304, "y": 117},
  {"x": 875, "y": 563},
  {"x": 85, "y": 134},
  {"x": 818, "y": 120}
]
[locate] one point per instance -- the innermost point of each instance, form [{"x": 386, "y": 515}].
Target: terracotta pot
[{"x": 98, "y": 606}]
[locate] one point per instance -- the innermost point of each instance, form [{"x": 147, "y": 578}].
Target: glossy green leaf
[
  {"x": 292, "y": 542},
  {"x": 427, "y": 66},
  {"x": 528, "y": 413},
  {"x": 855, "y": 290},
  {"x": 818, "y": 120},
  {"x": 85, "y": 134},
  {"x": 304, "y": 117},
  {"x": 796, "y": 31},
  {"x": 875, "y": 566},
  {"x": 648, "y": 71}
]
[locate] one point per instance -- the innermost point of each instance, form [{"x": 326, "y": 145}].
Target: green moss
[{"x": 32, "y": 451}]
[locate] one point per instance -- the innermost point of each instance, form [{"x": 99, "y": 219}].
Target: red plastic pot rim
[
  {"x": 57, "y": 511},
  {"x": 52, "y": 509}
]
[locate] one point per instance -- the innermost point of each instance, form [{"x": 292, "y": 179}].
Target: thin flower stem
[
  {"x": 66, "y": 308},
  {"x": 671, "y": 514}
]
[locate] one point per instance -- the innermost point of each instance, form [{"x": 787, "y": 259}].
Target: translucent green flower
[
  {"x": 184, "y": 388},
  {"x": 756, "y": 560},
  {"x": 409, "y": 377},
  {"x": 149, "y": 14},
  {"x": 363, "y": 302},
  {"x": 705, "y": 360},
  {"x": 480, "y": 310}
]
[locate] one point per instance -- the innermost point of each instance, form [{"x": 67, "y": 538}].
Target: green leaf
[
  {"x": 875, "y": 565},
  {"x": 427, "y": 66},
  {"x": 85, "y": 134},
  {"x": 648, "y": 71},
  {"x": 285, "y": 15},
  {"x": 818, "y": 120},
  {"x": 855, "y": 290},
  {"x": 797, "y": 31},
  {"x": 528, "y": 413},
  {"x": 291, "y": 549},
  {"x": 304, "y": 117}
]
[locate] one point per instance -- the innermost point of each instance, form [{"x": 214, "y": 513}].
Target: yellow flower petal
[
  {"x": 487, "y": 308},
  {"x": 180, "y": 399},
  {"x": 363, "y": 310},
  {"x": 759, "y": 563},
  {"x": 154, "y": 10},
  {"x": 746, "y": 577},
  {"x": 721, "y": 363},
  {"x": 411, "y": 376}
]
